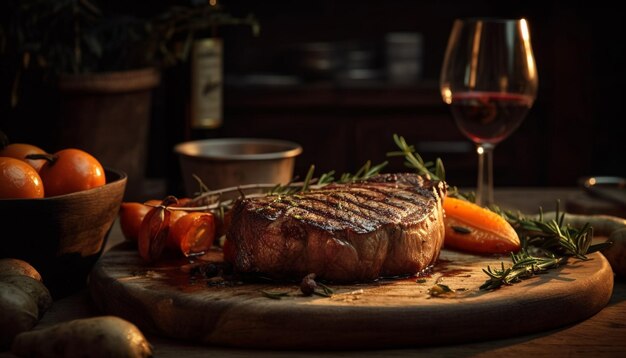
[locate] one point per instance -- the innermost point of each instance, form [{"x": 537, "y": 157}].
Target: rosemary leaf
[
  {"x": 321, "y": 293},
  {"x": 326, "y": 178},
  {"x": 307, "y": 179},
  {"x": 274, "y": 295},
  {"x": 326, "y": 291}
]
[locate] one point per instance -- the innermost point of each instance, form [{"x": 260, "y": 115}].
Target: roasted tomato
[
  {"x": 70, "y": 170},
  {"x": 193, "y": 233},
  {"x": 154, "y": 230},
  {"x": 18, "y": 180},
  {"x": 153, "y": 233}
]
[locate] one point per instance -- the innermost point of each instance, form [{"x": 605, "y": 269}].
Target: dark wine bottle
[{"x": 206, "y": 88}]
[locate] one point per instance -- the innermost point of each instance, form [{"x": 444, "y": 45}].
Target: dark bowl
[{"x": 62, "y": 236}]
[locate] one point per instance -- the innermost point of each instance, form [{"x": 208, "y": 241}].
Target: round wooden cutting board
[{"x": 169, "y": 301}]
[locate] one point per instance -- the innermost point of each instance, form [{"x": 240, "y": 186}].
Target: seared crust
[{"x": 389, "y": 225}]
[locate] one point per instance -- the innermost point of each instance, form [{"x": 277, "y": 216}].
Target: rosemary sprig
[
  {"x": 434, "y": 171},
  {"x": 546, "y": 244},
  {"x": 555, "y": 234},
  {"x": 524, "y": 266},
  {"x": 213, "y": 200},
  {"x": 365, "y": 172}
]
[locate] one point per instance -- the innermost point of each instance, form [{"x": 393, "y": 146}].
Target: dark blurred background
[{"x": 319, "y": 74}]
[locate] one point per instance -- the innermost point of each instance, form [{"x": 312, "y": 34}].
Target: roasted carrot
[{"x": 472, "y": 228}]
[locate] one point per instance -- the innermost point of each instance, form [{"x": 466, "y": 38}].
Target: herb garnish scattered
[{"x": 439, "y": 289}]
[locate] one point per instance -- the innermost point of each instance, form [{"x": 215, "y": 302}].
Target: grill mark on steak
[
  {"x": 403, "y": 203},
  {"x": 327, "y": 209},
  {"x": 396, "y": 190},
  {"x": 371, "y": 210},
  {"x": 350, "y": 210},
  {"x": 325, "y": 218},
  {"x": 371, "y": 196},
  {"x": 389, "y": 209},
  {"x": 389, "y": 195},
  {"x": 336, "y": 204}
]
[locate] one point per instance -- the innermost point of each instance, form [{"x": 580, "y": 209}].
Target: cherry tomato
[
  {"x": 193, "y": 233},
  {"x": 21, "y": 150},
  {"x": 71, "y": 170},
  {"x": 131, "y": 215},
  {"x": 18, "y": 180}
]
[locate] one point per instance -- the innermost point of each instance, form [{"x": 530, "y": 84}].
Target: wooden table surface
[{"x": 603, "y": 335}]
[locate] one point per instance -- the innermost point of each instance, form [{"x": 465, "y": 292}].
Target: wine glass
[{"x": 489, "y": 79}]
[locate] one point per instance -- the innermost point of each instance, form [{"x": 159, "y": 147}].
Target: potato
[
  {"x": 35, "y": 289},
  {"x": 18, "y": 267},
  {"x": 104, "y": 336},
  {"x": 18, "y": 313}
]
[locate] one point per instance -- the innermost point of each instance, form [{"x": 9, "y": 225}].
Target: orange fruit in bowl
[
  {"x": 21, "y": 150},
  {"x": 19, "y": 180},
  {"x": 71, "y": 170}
]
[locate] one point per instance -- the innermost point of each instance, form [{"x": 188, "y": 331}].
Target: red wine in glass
[{"x": 489, "y": 117}]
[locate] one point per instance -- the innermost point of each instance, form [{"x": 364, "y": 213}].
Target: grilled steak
[{"x": 389, "y": 225}]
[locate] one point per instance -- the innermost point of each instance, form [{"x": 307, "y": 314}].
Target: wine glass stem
[{"x": 484, "y": 190}]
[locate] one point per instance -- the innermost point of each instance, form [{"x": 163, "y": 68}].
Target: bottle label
[{"x": 206, "y": 84}]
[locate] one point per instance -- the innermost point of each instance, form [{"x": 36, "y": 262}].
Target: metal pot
[{"x": 228, "y": 162}]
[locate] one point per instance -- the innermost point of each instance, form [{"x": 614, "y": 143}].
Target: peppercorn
[{"x": 308, "y": 284}]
